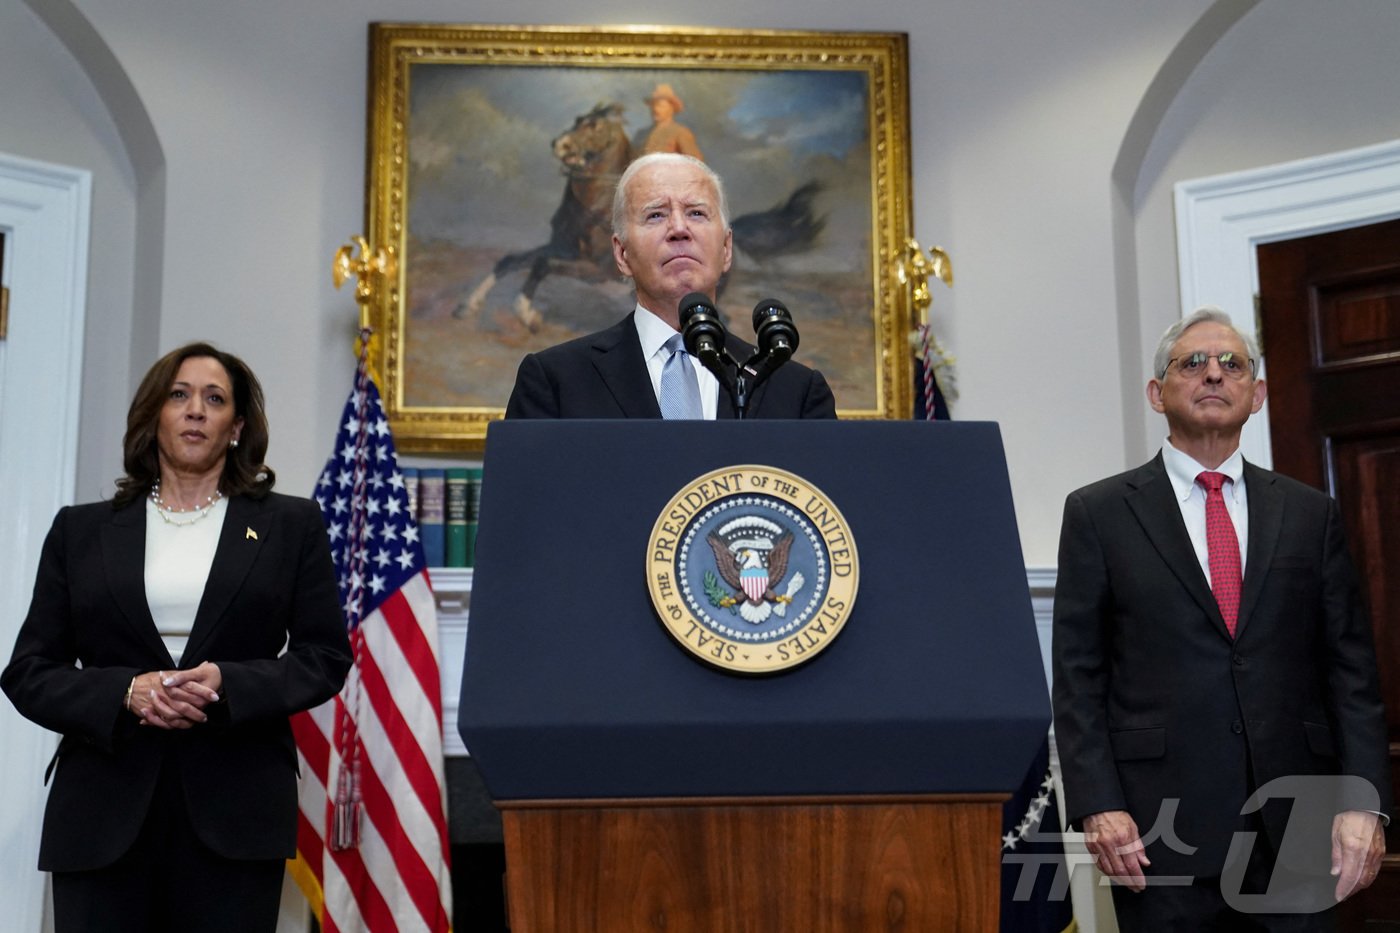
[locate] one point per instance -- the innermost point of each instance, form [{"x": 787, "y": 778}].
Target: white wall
[{"x": 1019, "y": 111}]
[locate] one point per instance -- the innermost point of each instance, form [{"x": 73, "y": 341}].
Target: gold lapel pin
[{"x": 250, "y": 534}]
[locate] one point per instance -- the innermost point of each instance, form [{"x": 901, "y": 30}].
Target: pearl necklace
[{"x": 199, "y": 511}]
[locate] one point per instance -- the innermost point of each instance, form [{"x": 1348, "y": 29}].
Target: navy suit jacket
[
  {"x": 272, "y": 583},
  {"x": 1155, "y": 702},
  {"x": 604, "y": 375}
]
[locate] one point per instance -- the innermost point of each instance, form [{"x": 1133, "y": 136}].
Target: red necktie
[{"x": 1222, "y": 549}]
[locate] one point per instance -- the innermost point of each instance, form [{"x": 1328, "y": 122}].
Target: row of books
[{"x": 445, "y": 502}]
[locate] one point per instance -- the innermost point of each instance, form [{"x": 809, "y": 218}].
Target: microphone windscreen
[
  {"x": 690, "y": 304},
  {"x": 769, "y": 308},
  {"x": 701, "y": 326},
  {"x": 773, "y": 327}
]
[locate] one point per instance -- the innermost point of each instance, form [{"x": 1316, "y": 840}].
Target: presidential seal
[{"x": 752, "y": 569}]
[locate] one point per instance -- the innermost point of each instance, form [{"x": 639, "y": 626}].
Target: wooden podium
[
  {"x": 641, "y": 790},
  {"x": 722, "y": 865}
]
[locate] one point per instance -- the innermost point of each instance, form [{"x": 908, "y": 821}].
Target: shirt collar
[
  {"x": 651, "y": 331},
  {"x": 1182, "y": 470}
]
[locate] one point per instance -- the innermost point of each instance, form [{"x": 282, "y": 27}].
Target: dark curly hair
[{"x": 245, "y": 474}]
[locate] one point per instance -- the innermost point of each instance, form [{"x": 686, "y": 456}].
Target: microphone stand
[
  {"x": 719, "y": 363},
  {"x": 740, "y": 392},
  {"x": 755, "y": 372},
  {"x": 746, "y": 378},
  {"x": 705, "y": 335},
  {"x": 777, "y": 340}
]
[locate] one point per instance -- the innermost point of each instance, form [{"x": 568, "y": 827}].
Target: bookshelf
[
  {"x": 452, "y": 585},
  {"x": 452, "y": 591}
]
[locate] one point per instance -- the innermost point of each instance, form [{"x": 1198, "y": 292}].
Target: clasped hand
[{"x": 175, "y": 699}]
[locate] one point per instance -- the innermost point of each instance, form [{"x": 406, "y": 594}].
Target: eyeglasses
[{"x": 1194, "y": 365}]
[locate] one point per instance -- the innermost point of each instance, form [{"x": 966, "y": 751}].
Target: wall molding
[{"x": 45, "y": 211}]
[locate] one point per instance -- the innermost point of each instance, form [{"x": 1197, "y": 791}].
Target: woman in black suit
[{"x": 172, "y": 632}]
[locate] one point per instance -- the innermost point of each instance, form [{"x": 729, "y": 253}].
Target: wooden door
[{"x": 1330, "y": 326}]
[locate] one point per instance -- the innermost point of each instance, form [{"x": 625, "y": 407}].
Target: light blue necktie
[{"x": 680, "y": 391}]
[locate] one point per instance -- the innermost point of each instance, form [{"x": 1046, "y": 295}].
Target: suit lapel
[
  {"x": 724, "y": 406},
  {"x": 246, "y": 529},
  {"x": 1153, "y": 502},
  {"x": 124, "y": 564},
  {"x": 1265, "y": 523},
  {"x": 617, "y": 356}
]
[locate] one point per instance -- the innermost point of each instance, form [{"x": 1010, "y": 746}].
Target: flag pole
[
  {"x": 369, "y": 269},
  {"x": 373, "y": 849}
]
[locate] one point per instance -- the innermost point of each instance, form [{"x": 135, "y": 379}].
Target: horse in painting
[{"x": 592, "y": 155}]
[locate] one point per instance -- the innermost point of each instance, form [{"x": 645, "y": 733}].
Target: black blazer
[
  {"x": 1153, "y": 699},
  {"x": 272, "y": 583},
  {"x": 604, "y": 375}
]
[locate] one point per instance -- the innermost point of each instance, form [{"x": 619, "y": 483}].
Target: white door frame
[
  {"x": 45, "y": 212},
  {"x": 1222, "y": 219}
]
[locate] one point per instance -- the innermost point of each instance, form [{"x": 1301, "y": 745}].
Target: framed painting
[{"x": 493, "y": 155}]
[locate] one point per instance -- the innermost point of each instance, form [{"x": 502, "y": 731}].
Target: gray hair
[
  {"x": 619, "y": 208},
  {"x": 1207, "y": 313}
]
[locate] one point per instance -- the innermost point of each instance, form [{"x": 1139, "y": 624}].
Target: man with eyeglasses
[{"x": 1209, "y": 639}]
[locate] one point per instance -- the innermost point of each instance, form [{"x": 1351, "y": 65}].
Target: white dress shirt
[
  {"x": 1182, "y": 470},
  {"x": 653, "y": 333}
]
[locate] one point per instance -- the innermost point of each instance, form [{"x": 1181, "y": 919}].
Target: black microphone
[
  {"x": 776, "y": 333},
  {"x": 702, "y": 330}
]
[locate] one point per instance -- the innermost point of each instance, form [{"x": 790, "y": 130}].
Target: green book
[
  {"x": 457, "y": 547},
  {"x": 473, "y": 512}
]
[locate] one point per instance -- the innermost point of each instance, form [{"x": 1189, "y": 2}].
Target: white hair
[
  {"x": 619, "y": 208},
  {"x": 1206, "y": 313}
]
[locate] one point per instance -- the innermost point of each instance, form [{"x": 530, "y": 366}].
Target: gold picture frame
[{"x": 468, "y": 178}]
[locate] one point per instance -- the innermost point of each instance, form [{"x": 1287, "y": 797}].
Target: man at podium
[{"x": 671, "y": 237}]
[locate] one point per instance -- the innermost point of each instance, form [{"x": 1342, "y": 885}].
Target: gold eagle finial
[
  {"x": 369, "y": 269},
  {"x": 912, "y": 267}
]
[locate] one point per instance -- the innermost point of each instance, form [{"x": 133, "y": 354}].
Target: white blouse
[{"x": 179, "y": 554}]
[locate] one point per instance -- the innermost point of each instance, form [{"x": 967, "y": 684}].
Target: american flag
[{"x": 372, "y": 846}]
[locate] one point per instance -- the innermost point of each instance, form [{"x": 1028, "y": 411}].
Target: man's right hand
[{"x": 1112, "y": 838}]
